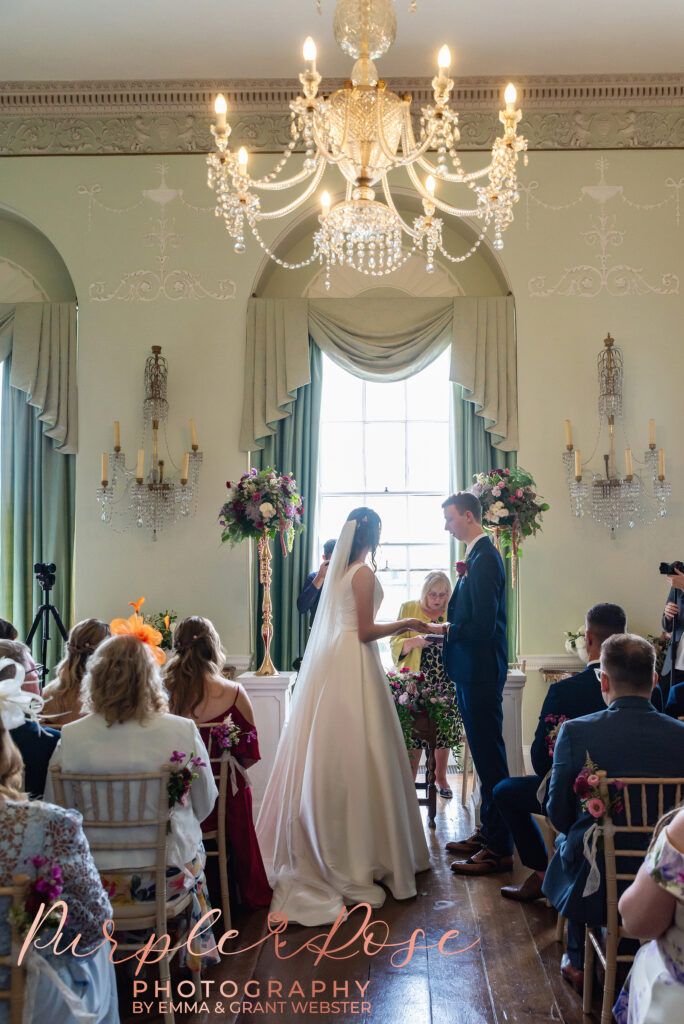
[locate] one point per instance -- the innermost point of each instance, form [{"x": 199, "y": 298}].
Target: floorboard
[{"x": 504, "y": 965}]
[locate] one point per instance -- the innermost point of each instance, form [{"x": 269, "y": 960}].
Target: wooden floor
[{"x": 508, "y": 970}]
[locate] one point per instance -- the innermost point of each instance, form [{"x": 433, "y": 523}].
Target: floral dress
[
  {"x": 60, "y": 989},
  {"x": 654, "y": 990},
  {"x": 432, "y": 667}
]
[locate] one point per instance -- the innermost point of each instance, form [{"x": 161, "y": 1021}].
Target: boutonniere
[{"x": 462, "y": 569}]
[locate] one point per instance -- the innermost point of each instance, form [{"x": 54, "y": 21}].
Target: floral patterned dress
[
  {"x": 654, "y": 991},
  {"x": 60, "y": 989}
]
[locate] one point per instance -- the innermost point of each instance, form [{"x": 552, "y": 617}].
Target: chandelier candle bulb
[
  {"x": 309, "y": 53},
  {"x": 141, "y": 465},
  {"x": 578, "y": 465},
  {"x": 117, "y": 436},
  {"x": 325, "y": 204},
  {"x": 651, "y": 434},
  {"x": 430, "y": 184},
  {"x": 105, "y": 466},
  {"x": 243, "y": 157},
  {"x": 193, "y": 436},
  {"x": 661, "y": 464},
  {"x": 443, "y": 62},
  {"x": 186, "y": 465},
  {"x": 628, "y": 463},
  {"x": 510, "y": 96},
  {"x": 568, "y": 435},
  {"x": 220, "y": 109}
]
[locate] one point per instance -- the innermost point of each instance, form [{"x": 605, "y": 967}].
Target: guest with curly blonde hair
[
  {"x": 64, "y": 692},
  {"x": 128, "y": 729}
]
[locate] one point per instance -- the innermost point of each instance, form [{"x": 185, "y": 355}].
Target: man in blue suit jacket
[
  {"x": 675, "y": 702},
  {"x": 569, "y": 698},
  {"x": 630, "y": 738},
  {"x": 476, "y": 659}
]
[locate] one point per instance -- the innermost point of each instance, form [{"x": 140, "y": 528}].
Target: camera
[
  {"x": 45, "y": 574},
  {"x": 670, "y": 568}
]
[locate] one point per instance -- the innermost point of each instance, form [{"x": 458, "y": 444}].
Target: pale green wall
[{"x": 568, "y": 567}]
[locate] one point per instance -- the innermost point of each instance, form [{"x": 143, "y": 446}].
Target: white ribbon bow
[
  {"x": 16, "y": 705},
  {"x": 591, "y": 839},
  {"x": 234, "y": 766},
  {"x": 543, "y": 787},
  {"x": 37, "y": 965}
]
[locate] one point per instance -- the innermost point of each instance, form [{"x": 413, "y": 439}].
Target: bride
[{"x": 340, "y": 811}]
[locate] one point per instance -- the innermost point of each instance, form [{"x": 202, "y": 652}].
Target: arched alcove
[{"x": 31, "y": 268}]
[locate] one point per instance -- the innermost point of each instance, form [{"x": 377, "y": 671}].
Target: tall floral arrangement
[
  {"x": 262, "y": 504},
  {"x": 414, "y": 694},
  {"x": 511, "y": 507}
]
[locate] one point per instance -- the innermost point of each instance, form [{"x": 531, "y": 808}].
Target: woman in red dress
[{"x": 198, "y": 690}]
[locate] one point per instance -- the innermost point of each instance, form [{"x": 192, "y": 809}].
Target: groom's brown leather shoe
[
  {"x": 573, "y": 975},
  {"x": 531, "y": 889},
  {"x": 486, "y": 862},
  {"x": 473, "y": 844}
]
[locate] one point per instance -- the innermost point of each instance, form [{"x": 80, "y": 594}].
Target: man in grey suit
[{"x": 629, "y": 738}]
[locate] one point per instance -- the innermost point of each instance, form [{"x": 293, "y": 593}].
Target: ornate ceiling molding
[{"x": 583, "y": 112}]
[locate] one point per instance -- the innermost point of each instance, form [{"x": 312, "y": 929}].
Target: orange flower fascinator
[{"x": 135, "y": 625}]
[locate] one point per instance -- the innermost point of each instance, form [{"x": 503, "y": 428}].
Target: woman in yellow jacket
[{"x": 414, "y": 652}]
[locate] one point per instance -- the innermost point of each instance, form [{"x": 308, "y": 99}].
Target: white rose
[
  {"x": 568, "y": 646},
  {"x": 267, "y": 510},
  {"x": 404, "y": 698},
  {"x": 580, "y": 643}
]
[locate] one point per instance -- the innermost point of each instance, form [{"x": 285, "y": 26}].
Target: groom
[{"x": 476, "y": 659}]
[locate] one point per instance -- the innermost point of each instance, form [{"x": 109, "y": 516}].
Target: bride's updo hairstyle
[
  {"x": 367, "y": 533},
  {"x": 197, "y": 656}
]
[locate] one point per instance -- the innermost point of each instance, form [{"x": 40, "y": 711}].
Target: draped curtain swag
[
  {"x": 41, "y": 337},
  {"x": 381, "y": 339}
]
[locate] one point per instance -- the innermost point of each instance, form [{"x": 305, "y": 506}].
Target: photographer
[
  {"x": 673, "y": 623},
  {"x": 311, "y": 591}
]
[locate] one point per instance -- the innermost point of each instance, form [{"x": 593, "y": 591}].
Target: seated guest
[
  {"x": 34, "y": 741},
  {"x": 198, "y": 690},
  {"x": 311, "y": 591},
  {"x": 7, "y": 630},
  {"x": 653, "y": 908},
  {"x": 630, "y": 738},
  {"x": 675, "y": 702},
  {"x": 54, "y": 837},
  {"x": 128, "y": 728},
  {"x": 516, "y": 798},
  {"x": 418, "y": 654},
  {"x": 64, "y": 692}
]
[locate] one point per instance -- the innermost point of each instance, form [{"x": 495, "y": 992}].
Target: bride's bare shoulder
[{"x": 362, "y": 575}]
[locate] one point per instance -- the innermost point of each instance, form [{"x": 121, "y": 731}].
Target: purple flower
[{"x": 176, "y": 757}]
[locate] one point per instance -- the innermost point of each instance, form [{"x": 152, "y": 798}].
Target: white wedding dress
[{"x": 340, "y": 811}]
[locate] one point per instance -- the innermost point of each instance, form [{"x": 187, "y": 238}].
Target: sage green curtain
[
  {"x": 37, "y": 514},
  {"x": 472, "y": 452},
  {"x": 293, "y": 449}
]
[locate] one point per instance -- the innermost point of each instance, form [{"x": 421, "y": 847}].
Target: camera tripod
[{"x": 45, "y": 576}]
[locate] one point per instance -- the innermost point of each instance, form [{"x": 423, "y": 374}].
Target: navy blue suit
[
  {"x": 675, "y": 702},
  {"x": 516, "y": 798},
  {"x": 309, "y": 596},
  {"x": 476, "y": 659},
  {"x": 35, "y": 746},
  {"x": 630, "y": 738}
]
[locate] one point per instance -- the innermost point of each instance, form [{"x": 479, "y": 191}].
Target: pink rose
[
  {"x": 593, "y": 779},
  {"x": 595, "y": 807},
  {"x": 519, "y": 493},
  {"x": 496, "y": 492}
]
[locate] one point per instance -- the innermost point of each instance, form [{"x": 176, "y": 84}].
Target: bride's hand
[{"x": 414, "y": 625}]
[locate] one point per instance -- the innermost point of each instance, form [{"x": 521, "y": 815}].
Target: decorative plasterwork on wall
[
  {"x": 603, "y": 234},
  {"x": 567, "y": 112},
  {"x": 164, "y": 280}
]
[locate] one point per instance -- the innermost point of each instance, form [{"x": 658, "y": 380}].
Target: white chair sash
[
  {"x": 234, "y": 767},
  {"x": 37, "y": 965},
  {"x": 591, "y": 841}
]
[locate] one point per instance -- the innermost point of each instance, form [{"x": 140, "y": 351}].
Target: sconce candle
[
  {"x": 193, "y": 434},
  {"x": 628, "y": 462},
  {"x": 117, "y": 436},
  {"x": 568, "y": 435},
  {"x": 105, "y": 466},
  {"x": 578, "y": 464},
  {"x": 651, "y": 433},
  {"x": 186, "y": 465},
  {"x": 661, "y": 464},
  {"x": 141, "y": 463}
]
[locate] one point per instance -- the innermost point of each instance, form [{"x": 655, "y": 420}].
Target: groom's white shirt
[{"x": 474, "y": 541}]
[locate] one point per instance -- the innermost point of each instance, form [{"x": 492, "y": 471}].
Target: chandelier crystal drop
[
  {"x": 365, "y": 130},
  {"x": 614, "y": 501}
]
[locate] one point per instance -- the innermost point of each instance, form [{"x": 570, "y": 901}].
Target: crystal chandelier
[
  {"x": 157, "y": 499},
  {"x": 366, "y": 131},
  {"x": 637, "y": 498}
]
